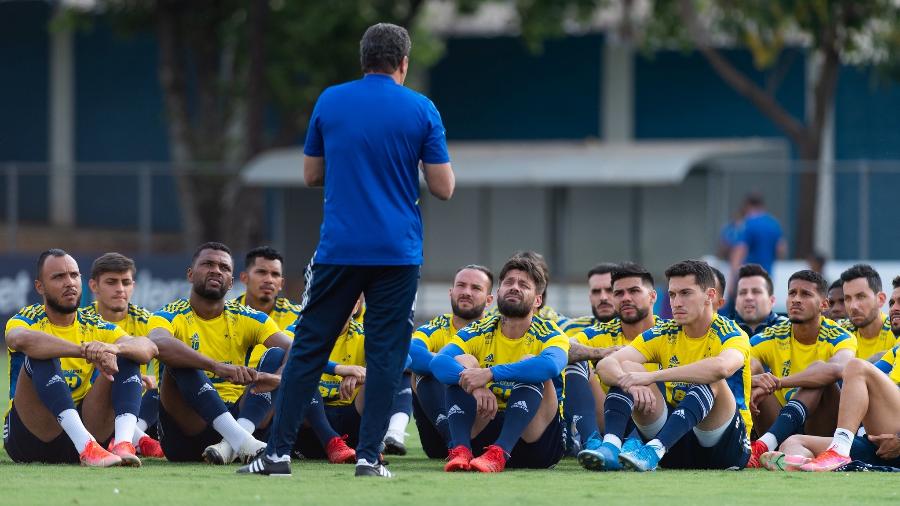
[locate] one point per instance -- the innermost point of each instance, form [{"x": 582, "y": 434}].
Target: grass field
[{"x": 419, "y": 481}]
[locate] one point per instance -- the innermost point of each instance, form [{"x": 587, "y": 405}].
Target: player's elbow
[
  {"x": 440, "y": 180},
  {"x": 442, "y": 191},
  {"x": 14, "y": 340},
  {"x": 723, "y": 369}
]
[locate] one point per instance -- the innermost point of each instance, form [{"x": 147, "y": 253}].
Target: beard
[
  {"x": 467, "y": 314},
  {"x": 210, "y": 293},
  {"x": 513, "y": 309},
  {"x": 602, "y": 318},
  {"x": 799, "y": 320},
  {"x": 640, "y": 314},
  {"x": 59, "y": 307}
]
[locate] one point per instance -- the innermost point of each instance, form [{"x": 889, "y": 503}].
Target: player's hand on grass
[
  {"x": 107, "y": 364},
  {"x": 357, "y": 371},
  {"x": 631, "y": 379},
  {"x": 265, "y": 382},
  {"x": 237, "y": 374},
  {"x": 93, "y": 351},
  {"x": 888, "y": 445},
  {"x": 477, "y": 377},
  {"x": 644, "y": 400},
  {"x": 348, "y": 386},
  {"x": 148, "y": 381},
  {"x": 486, "y": 402},
  {"x": 766, "y": 381}
]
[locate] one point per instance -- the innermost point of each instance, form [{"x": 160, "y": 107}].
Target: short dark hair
[
  {"x": 702, "y": 272},
  {"x": 751, "y": 270},
  {"x": 631, "y": 270},
  {"x": 484, "y": 270},
  {"x": 754, "y": 199},
  {"x": 839, "y": 284},
  {"x": 863, "y": 271},
  {"x": 813, "y": 277},
  {"x": 42, "y": 258},
  {"x": 603, "y": 268},
  {"x": 267, "y": 252},
  {"x": 720, "y": 280},
  {"x": 529, "y": 265},
  {"x": 383, "y": 47},
  {"x": 112, "y": 262},
  {"x": 896, "y": 282},
  {"x": 209, "y": 245}
]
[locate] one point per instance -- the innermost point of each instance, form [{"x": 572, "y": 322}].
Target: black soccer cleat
[
  {"x": 393, "y": 446},
  {"x": 378, "y": 470},
  {"x": 264, "y": 466}
]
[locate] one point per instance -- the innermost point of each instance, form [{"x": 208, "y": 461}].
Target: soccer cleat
[
  {"x": 458, "y": 458},
  {"x": 493, "y": 460},
  {"x": 338, "y": 451},
  {"x": 778, "y": 461},
  {"x": 150, "y": 448},
  {"x": 829, "y": 460},
  {"x": 125, "y": 451},
  {"x": 264, "y": 466},
  {"x": 757, "y": 448},
  {"x": 643, "y": 458},
  {"x": 631, "y": 444},
  {"x": 602, "y": 457},
  {"x": 250, "y": 449},
  {"x": 219, "y": 454},
  {"x": 378, "y": 469},
  {"x": 94, "y": 455},
  {"x": 393, "y": 445}
]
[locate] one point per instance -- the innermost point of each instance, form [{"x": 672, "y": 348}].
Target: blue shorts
[
  {"x": 541, "y": 454},
  {"x": 180, "y": 447},
  {"x": 731, "y": 452},
  {"x": 864, "y": 450},
  {"x": 344, "y": 420}
]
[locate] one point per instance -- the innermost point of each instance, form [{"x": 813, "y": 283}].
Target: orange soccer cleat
[
  {"x": 125, "y": 451},
  {"x": 756, "y": 449},
  {"x": 94, "y": 455},
  {"x": 493, "y": 460},
  {"x": 458, "y": 458},
  {"x": 150, "y": 448},
  {"x": 829, "y": 460},
  {"x": 338, "y": 451}
]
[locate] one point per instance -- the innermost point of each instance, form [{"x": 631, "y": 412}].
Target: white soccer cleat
[
  {"x": 250, "y": 449},
  {"x": 219, "y": 454}
]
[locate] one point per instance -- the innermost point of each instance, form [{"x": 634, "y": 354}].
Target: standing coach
[{"x": 364, "y": 144}]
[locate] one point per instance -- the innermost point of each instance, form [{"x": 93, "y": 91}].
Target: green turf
[{"x": 422, "y": 482}]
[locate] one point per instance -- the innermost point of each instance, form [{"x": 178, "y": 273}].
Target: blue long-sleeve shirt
[
  {"x": 549, "y": 364},
  {"x": 421, "y": 358}
]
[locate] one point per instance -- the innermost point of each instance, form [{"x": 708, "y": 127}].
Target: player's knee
[
  {"x": 855, "y": 367},
  {"x": 271, "y": 360},
  {"x": 467, "y": 361}
]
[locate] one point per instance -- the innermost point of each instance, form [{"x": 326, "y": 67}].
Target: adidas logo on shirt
[{"x": 520, "y": 405}]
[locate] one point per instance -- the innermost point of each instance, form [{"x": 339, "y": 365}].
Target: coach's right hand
[{"x": 237, "y": 374}]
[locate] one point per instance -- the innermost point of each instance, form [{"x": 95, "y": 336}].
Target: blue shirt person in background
[{"x": 365, "y": 142}]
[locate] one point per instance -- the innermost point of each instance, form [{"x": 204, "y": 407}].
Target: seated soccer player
[
  {"x": 633, "y": 297},
  {"x": 544, "y": 312},
  {"x": 754, "y": 300},
  {"x": 796, "y": 366},
  {"x": 263, "y": 275},
  {"x": 503, "y": 374},
  {"x": 204, "y": 343},
  {"x": 720, "y": 289},
  {"x": 700, "y": 421},
  {"x": 870, "y": 396},
  {"x": 863, "y": 299},
  {"x": 57, "y": 413},
  {"x": 112, "y": 283},
  {"x": 600, "y": 295},
  {"x": 836, "y": 310},
  {"x": 469, "y": 296}
]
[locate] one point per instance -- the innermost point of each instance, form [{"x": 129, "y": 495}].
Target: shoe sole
[
  {"x": 477, "y": 467},
  {"x": 213, "y": 457},
  {"x": 593, "y": 462},
  {"x": 391, "y": 448},
  {"x": 130, "y": 461},
  {"x": 111, "y": 463},
  {"x": 628, "y": 464}
]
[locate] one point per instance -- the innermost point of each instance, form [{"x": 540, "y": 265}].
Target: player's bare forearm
[
  {"x": 706, "y": 371},
  {"x": 139, "y": 349},
  {"x": 818, "y": 374},
  {"x": 39, "y": 345},
  {"x": 175, "y": 353},
  {"x": 609, "y": 370},
  {"x": 579, "y": 353}
]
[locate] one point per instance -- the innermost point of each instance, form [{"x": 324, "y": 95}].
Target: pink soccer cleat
[{"x": 829, "y": 460}]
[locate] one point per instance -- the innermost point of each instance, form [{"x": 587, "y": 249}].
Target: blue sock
[
  {"x": 402, "y": 402},
  {"x": 461, "y": 410},
  {"x": 318, "y": 421},
  {"x": 579, "y": 407},
  {"x": 790, "y": 420},
  {"x": 617, "y": 411},
  {"x": 199, "y": 392},
  {"x": 51, "y": 388},
  {"x": 688, "y": 413},
  {"x": 257, "y": 406},
  {"x": 150, "y": 407},
  {"x": 432, "y": 396},
  {"x": 127, "y": 387},
  {"x": 522, "y": 405}
]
